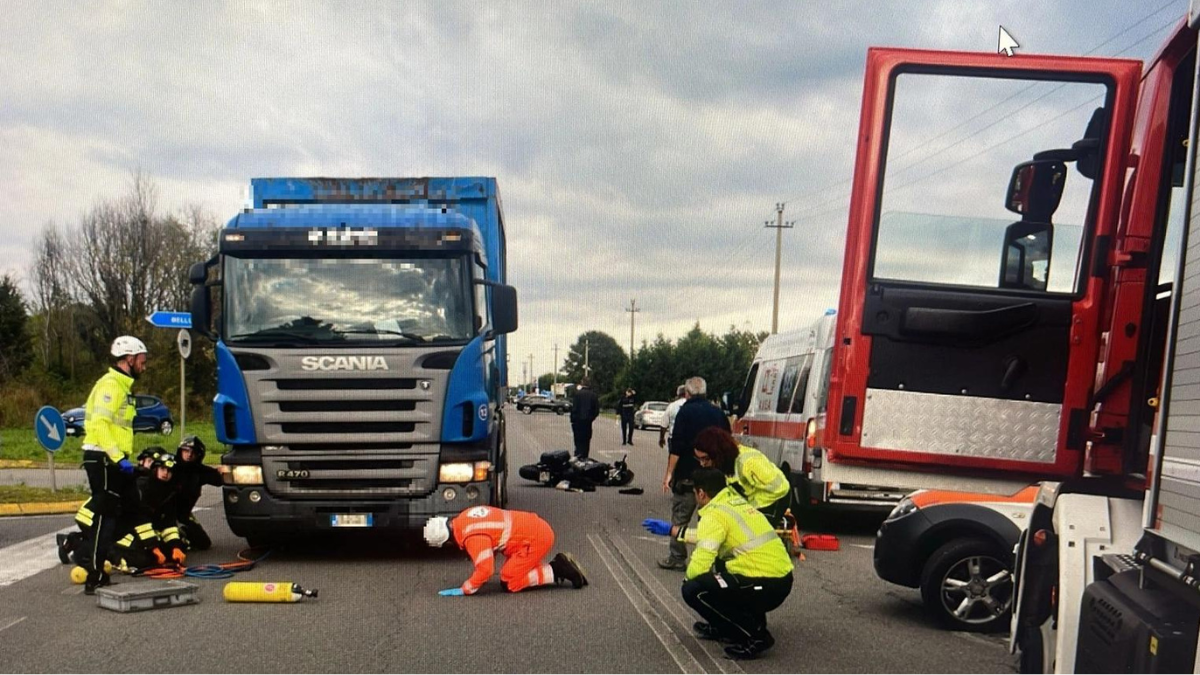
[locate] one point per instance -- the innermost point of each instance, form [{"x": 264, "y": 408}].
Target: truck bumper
[{"x": 253, "y": 512}]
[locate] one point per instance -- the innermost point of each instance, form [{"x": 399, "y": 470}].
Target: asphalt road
[{"x": 379, "y": 611}]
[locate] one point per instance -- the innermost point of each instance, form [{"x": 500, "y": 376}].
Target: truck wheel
[{"x": 968, "y": 585}]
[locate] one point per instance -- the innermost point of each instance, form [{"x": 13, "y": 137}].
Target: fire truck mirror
[
  {"x": 1025, "y": 260},
  {"x": 1036, "y": 188}
]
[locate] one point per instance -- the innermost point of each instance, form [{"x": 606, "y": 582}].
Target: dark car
[
  {"x": 152, "y": 416},
  {"x": 957, "y": 547},
  {"x": 534, "y": 402}
]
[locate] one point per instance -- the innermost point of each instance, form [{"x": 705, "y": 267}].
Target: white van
[{"x": 786, "y": 391}]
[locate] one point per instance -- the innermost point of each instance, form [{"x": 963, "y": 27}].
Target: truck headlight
[
  {"x": 246, "y": 475},
  {"x": 464, "y": 472}
]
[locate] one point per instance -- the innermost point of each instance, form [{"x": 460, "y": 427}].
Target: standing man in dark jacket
[
  {"x": 585, "y": 408},
  {"x": 625, "y": 406},
  {"x": 695, "y": 415}
]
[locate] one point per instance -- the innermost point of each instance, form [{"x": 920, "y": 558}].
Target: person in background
[
  {"x": 748, "y": 471},
  {"x": 664, "y": 433},
  {"x": 694, "y": 416},
  {"x": 524, "y": 539},
  {"x": 738, "y": 572},
  {"x": 625, "y": 407},
  {"x": 585, "y": 408}
]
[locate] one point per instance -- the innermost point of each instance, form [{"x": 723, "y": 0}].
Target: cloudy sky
[{"x": 639, "y": 147}]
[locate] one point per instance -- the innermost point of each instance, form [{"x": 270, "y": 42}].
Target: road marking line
[
  {"x": 29, "y": 557},
  {"x": 675, "y": 605},
  {"x": 863, "y": 545},
  {"x": 10, "y": 624},
  {"x": 670, "y": 641}
]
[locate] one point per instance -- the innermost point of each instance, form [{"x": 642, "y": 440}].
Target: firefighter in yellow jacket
[
  {"x": 739, "y": 570},
  {"x": 107, "y": 446}
]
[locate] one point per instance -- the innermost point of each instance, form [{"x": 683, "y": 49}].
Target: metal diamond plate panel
[{"x": 965, "y": 426}]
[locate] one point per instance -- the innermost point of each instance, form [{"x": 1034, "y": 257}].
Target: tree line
[
  {"x": 658, "y": 367},
  {"x": 91, "y": 281}
]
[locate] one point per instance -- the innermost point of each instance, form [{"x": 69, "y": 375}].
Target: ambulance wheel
[{"x": 967, "y": 584}]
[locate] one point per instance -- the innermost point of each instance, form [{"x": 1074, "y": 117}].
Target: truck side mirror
[
  {"x": 202, "y": 298},
  {"x": 1025, "y": 260},
  {"x": 1036, "y": 188},
  {"x": 504, "y": 309}
]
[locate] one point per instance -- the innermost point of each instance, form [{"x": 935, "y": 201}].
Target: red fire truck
[{"x": 1003, "y": 317}]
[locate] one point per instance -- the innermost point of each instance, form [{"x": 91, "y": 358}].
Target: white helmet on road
[
  {"x": 437, "y": 531},
  {"x": 127, "y": 345}
]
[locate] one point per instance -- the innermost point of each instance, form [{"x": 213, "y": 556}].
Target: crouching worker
[
  {"x": 191, "y": 475},
  {"x": 739, "y": 570},
  {"x": 747, "y": 471},
  {"x": 152, "y": 536},
  {"x": 524, "y": 539}
]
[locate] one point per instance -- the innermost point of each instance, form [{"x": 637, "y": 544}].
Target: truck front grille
[{"x": 357, "y": 476}]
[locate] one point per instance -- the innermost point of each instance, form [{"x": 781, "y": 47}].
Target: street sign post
[
  {"x": 166, "y": 319},
  {"x": 184, "y": 341},
  {"x": 51, "y": 433}
]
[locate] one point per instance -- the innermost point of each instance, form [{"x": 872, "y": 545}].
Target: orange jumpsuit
[{"x": 524, "y": 539}]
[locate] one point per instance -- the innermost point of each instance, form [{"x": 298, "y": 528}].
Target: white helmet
[
  {"x": 437, "y": 531},
  {"x": 127, "y": 345}
]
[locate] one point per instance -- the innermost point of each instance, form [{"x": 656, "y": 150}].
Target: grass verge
[
  {"x": 21, "y": 443},
  {"x": 21, "y": 494}
]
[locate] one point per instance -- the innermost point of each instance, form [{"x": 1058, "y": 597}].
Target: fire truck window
[{"x": 950, "y": 153}]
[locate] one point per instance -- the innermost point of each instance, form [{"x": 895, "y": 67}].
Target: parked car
[
  {"x": 651, "y": 414},
  {"x": 957, "y": 547},
  {"x": 534, "y": 402},
  {"x": 152, "y": 416}
]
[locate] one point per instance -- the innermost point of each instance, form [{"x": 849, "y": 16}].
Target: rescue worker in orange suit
[
  {"x": 524, "y": 539},
  {"x": 191, "y": 475}
]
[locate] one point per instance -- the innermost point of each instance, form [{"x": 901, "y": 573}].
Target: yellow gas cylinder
[{"x": 270, "y": 591}]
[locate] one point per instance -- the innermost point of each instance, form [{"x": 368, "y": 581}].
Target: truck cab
[{"x": 359, "y": 328}]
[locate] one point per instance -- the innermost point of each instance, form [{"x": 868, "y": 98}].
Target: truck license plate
[{"x": 352, "y": 519}]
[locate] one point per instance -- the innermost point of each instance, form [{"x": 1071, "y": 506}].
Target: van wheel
[{"x": 967, "y": 584}]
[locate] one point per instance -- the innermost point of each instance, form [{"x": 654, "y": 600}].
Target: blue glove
[
  {"x": 656, "y": 526},
  {"x": 451, "y": 591},
  {"x": 125, "y": 466}
]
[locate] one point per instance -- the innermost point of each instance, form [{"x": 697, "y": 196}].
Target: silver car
[{"x": 651, "y": 414}]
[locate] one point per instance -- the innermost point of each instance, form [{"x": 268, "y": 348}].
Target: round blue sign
[{"x": 50, "y": 429}]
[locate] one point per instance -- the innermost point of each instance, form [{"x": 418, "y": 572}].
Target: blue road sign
[
  {"x": 165, "y": 319},
  {"x": 50, "y": 428}
]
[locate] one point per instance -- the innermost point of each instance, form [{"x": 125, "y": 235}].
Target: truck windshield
[{"x": 347, "y": 300}]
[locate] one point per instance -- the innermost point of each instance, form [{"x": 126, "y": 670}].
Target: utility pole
[
  {"x": 555, "y": 364},
  {"x": 779, "y": 228},
  {"x": 533, "y": 374},
  {"x": 587, "y": 370},
  {"x": 633, "y": 310}
]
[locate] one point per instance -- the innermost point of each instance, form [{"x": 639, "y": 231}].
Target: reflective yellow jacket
[
  {"x": 761, "y": 481},
  {"x": 108, "y": 415},
  {"x": 733, "y": 530}
]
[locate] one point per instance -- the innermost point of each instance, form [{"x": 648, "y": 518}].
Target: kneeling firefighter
[
  {"x": 524, "y": 539},
  {"x": 739, "y": 570},
  {"x": 152, "y": 536},
  {"x": 191, "y": 475}
]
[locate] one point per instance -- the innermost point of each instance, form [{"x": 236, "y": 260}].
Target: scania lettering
[
  {"x": 360, "y": 329},
  {"x": 343, "y": 363}
]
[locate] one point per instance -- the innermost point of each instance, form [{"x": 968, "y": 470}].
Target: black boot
[
  {"x": 64, "y": 548},
  {"x": 566, "y": 569}
]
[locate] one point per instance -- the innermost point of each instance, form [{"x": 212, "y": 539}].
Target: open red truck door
[{"x": 986, "y": 192}]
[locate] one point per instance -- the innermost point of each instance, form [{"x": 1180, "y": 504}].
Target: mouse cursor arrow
[{"x": 1006, "y": 44}]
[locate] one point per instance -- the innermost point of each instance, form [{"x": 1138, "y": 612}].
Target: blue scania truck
[{"x": 360, "y": 349}]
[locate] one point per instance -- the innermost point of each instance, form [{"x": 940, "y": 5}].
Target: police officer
[
  {"x": 625, "y": 406},
  {"x": 739, "y": 570},
  {"x": 107, "y": 445}
]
